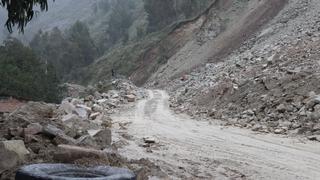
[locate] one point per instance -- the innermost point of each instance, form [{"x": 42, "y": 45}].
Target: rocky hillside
[
  {"x": 217, "y": 30},
  {"x": 149, "y": 40},
  {"x": 268, "y": 84}
]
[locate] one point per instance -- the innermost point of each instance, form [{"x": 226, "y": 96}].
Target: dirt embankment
[{"x": 237, "y": 22}]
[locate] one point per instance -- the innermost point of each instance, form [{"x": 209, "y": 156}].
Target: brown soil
[{"x": 9, "y": 105}]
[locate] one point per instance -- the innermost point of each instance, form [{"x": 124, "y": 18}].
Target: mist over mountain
[{"x": 61, "y": 14}]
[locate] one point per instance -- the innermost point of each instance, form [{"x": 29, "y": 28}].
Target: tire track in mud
[{"x": 190, "y": 149}]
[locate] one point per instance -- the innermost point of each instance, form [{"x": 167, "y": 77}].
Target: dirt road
[{"x": 191, "y": 149}]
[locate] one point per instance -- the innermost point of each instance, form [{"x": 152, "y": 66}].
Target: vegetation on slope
[
  {"x": 24, "y": 76},
  {"x": 68, "y": 51}
]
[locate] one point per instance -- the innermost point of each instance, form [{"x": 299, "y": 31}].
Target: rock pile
[
  {"x": 270, "y": 85},
  {"x": 76, "y": 131}
]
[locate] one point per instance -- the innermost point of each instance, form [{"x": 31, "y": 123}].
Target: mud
[{"x": 191, "y": 149}]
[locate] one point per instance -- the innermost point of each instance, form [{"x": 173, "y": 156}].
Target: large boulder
[
  {"x": 11, "y": 154},
  {"x": 59, "y": 136},
  {"x": 69, "y": 154},
  {"x": 32, "y": 112},
  {"x": 32, "y": 129}
]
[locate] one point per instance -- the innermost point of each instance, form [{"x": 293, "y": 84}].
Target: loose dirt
[{"x": 189, "y": 149}]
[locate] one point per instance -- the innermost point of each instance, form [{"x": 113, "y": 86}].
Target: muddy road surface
[{"x": 186, "y": 148}]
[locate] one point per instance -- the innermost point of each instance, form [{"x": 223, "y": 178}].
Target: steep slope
[
  {"x": 238, "y": 21},
  {"x": 148, "y": 44},
  {"x": 269, "y": 84},
  {"x": 219, "y": 29}
]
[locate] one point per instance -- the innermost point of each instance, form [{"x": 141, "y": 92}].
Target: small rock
[
  {"x": 103, "y": 138},
  {"x": 32, "y": 129},
  {"x": 16, "y": 132},
  {"x": 81, "y": 112},
  {"x": 101, "y": 101},
  {"x": 313, "y": 101},
  {"x": 312, "y": 94},
  {"x": 257, "y": 127},
  {"x": 279, "y": 131},
  {"x": 94, "y": 115},
  {"x": 97, "y": 108},
  {"x": 212, "y": 112},
  {"x": 149, "y": 140},
  {"x": 131, "y": 98},
  {"x": 281, "y": 108},
  {"x": 67, "y": 107},
  {"x": 317, "y": 108},
  {"x": 89, "y": 98},
  {"x": 84, "y": 107},
  {"x": 93, "y": 132},
  {"x": 70, "y": 118},
  {"x": 87, "y": 141},
  {"x": 304, "y": 130},
  {"x": 314, "y": 138},
  {"x": 314, "y": 116},
  {"x": 249, "y": 112},
  {"x": 97, "y": 95},
  {"x": 316, "y": 127},
  {"x": 105, "y": 95},
  {"x": 302, "y": 111},
  {"x": 76, "y": 101}
]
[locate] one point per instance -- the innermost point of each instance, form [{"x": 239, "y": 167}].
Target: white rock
[
  {"x": 149, "y": 140},
  {"x": 69, "y": 117},
  {"x": 84, "y": 107},
  {"x": 97, "y": 108},
  {"x": 93, "y": 132},
  {"x": 94, "y": 115},
  {"x": 67, "y": 107},
  {"x": 131, "y": 98},
  {"x": 101, "y": 101},
  {"x": 81, "y": 112},
  {"x": 16, "y": 146}
]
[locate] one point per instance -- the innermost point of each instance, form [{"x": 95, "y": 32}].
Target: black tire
[{"x": 72, "y": 172}]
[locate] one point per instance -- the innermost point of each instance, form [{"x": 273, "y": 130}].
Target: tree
[
  {"x": 24, "y": 76},
  {"x": 67, "y": 52},
  {"x": 20, "y": 12}
]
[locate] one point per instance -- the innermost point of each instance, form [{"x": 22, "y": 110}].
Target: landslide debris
[
  {"x": 270, "y": 84},
  {"x": 76, "y": 131}
]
